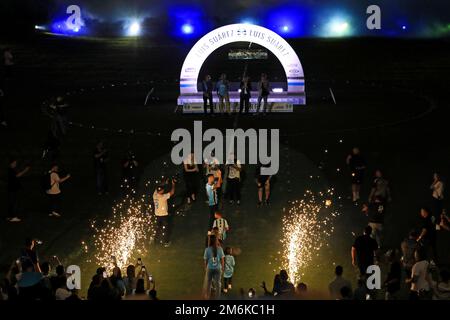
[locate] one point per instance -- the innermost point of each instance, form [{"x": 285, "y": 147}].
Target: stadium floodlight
[
  {"x": 134, "y": 29},
  {"x": 187, "y": 28},
  {"x": 338, "y": 27}
]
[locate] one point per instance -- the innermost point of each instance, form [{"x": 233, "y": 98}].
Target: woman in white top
[
  {"x": 437, "y": 194},
  {"x": 54, "y": 193}
]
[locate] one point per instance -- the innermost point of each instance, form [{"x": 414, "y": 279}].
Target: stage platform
[{"x": 278, "y": 102}]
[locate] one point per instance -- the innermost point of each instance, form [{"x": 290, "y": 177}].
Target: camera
[{"x": 37, "y": 241}]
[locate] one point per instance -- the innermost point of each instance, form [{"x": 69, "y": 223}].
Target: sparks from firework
[
  {"x": 307, "y": 227},
  {"x": 127, "y": 233}
]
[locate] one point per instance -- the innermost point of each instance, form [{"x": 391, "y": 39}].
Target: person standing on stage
[
  {"x": 246, "y": 88},
  {"x": 162, "y": 213},
  {"x": 264, "y": 91},
  {"x": 207, "y": 86},
  {"x": 223, "y": 88}
]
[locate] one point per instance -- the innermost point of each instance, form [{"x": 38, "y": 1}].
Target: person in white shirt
[
  {"x": 234, "y": 181},
  {"x": 54, "y": 193},
  {"x": 420, "y": 286},
  {"x": 161, "y": 208},
  {"x": 437, "y": 194},
  {"x": 338, "y": 283},
  {"x": 222, "y": 225}
]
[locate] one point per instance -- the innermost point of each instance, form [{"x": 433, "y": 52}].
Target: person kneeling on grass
[{"x": 228, "y": 269}]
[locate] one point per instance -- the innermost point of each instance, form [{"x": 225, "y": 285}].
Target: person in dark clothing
[
  {"x": 376, "y": 212},
  {"x": 29, "y": 254},
  {"x": 394, "y": 276},
  {"x": 357, "y": 166},
  {"x": 246, "y": 88},
  {"x": 208, "y": 86},
  {"x": 286, "y": 287},
  {"x": 100, "y": 160},
  {"x": 14, "y": 190},
  {"x": 427, "y": 237},
  {"x": 363, "y": 251}
]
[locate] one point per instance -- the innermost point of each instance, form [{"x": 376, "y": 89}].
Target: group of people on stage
[{"x": 222, "y": 89}]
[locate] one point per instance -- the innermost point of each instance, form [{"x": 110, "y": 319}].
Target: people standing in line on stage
[
  {"x": 437, "y": 196},
  {"x": 54, "y": 192},
  {"x": 263, "y": 185},
  {"x": 14, "y": 190},
  {"x": 222, "y": 226},
  {"x": 191, "y": 177},
  {"x": 228, "y": 271},
  {"x": 380, "y": 188},
  {"x": 161, "y": 207},
  {"x": 100, "y": 160},
  {"x": 233, "y": 191},
  {"x": 263, "y": 91},
  {"x": 223, "y": 91},
  {"x": 213, "y": 202},
  {"x": 357, "y": 166},
  {"x": 245, "y": 95},
  {"x": 208, "y": 86},
  {"x": 214, "y": 265}
]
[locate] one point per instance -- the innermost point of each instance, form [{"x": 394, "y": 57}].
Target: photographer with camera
[{"x": 161, "y": 208}]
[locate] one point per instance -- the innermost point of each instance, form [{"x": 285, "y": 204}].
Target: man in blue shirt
[
  {"x": 211, "y": 192},
  {"x": 223, "y": 88}
]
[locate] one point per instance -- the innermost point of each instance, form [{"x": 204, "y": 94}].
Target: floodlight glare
[
  {"x": 134, "y": 29},
  {"x": 187, "y": 28}
]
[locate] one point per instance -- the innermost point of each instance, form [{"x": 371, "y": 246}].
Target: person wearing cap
[{"x": 162, "y": 213}]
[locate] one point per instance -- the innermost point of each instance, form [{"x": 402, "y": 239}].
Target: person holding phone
[{"x": 54, "y": 193}]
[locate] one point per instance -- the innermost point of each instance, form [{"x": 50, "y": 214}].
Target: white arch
[{"x": 241, "y": 33}]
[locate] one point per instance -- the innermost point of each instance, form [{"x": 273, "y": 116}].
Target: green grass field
[{"x": 379, "y": 85}]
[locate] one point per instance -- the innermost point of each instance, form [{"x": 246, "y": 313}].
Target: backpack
[{"x": 46, "y": 182}]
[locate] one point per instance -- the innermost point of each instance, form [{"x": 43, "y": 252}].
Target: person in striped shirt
[
  {"x": 222, "y": 225},
  {"x": 211, "y": 192}
]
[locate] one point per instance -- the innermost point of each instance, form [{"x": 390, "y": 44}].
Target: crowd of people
[
  {"x": 29, "y": 278},
  {"x": 415, "y": 262}
]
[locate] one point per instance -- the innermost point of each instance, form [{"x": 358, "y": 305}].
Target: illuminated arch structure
[{"x": 192, "y": 100}]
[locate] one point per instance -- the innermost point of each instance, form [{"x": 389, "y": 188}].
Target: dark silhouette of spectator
[{"x": 363, "y": 251}]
